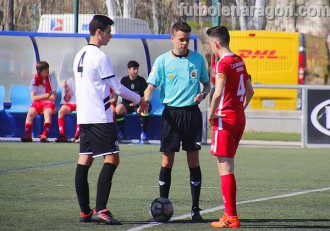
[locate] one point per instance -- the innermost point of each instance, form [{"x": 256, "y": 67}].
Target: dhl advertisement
[
  {"x": 280, "y": 58},
  {"x": 270, "y": 58}
]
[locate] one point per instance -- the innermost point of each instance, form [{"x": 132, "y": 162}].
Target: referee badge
[{"x": 193, "y": 74}]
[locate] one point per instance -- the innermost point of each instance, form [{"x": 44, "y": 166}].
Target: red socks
[
  {"x": 228, "y": 187},
  {"x": 46, "y": 129},
  {"x": 28, "y": 129},
  {"x": 77, "y": 131},
  {"x": 61, "y": 126}
]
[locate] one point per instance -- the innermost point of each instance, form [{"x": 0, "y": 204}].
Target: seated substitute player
[
  {"x": 43, "y": 95},
  {"x": 137, "y": 84},
  {"x": 69, "y": 106},
  {"x": 233, "y": 92}
]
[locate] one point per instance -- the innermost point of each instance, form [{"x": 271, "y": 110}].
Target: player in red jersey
[
  {"x": 43, "y": 95},
  {"x": 233, "y": 91},
  {"x": 69, "y": 106}
]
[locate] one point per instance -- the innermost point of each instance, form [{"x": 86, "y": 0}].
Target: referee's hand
[
  {"x": 199, "y": 98},
  {"x": 144, "y": 105}
]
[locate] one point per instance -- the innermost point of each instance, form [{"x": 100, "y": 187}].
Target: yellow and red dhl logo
[{"x": 261, "y": 54}]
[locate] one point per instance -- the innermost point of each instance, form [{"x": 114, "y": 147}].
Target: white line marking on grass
[{"x": 151, "y": 224}]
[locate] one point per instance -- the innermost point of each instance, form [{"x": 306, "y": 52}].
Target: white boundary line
[{"x": 151, "y": 224}]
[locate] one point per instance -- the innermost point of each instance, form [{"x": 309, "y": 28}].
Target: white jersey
[
  {"x": 40, "y": 89},
  {"x": 94, "y": 76},
  {"x": 71, "y": 90}
]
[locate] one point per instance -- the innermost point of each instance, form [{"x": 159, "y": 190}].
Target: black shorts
[
  {"x": 130, "y": 109},
  {"x": 181, "y": 124},
  {"x": 98, "y": 139}
]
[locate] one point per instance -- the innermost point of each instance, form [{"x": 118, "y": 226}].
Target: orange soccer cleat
[
  {"x": 43, "y": 138},
  {"x": 227, "y": 222},
  {"x": 86, "y": 217},
  {"x": 104, "y": 216}
]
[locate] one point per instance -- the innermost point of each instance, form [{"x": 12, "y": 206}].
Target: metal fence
[{"x": 314, "y": 116}]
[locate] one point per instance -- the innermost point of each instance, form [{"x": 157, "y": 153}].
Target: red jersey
[
  {"x": 233, "y": 94},
  {"x": 213, "y": 69},
  {"x": 111, "y": 92}
]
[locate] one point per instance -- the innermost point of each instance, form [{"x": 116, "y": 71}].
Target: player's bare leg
[
  {"x": 48, "y": 113},
  {"x": 32, "y": 113}
]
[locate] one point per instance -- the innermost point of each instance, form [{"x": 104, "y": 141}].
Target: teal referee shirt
[{"x": 179, "y": 78}]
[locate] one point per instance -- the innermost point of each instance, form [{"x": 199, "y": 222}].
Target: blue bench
[
  {"x": 132, "y": 121},
  {"x": 20, "y": 103},
  {"x": 15, "y": 116},
  {"x": 13, "y": 119},
  {"x": 6, "y": 124},
  {"x": 2, "y": 97},
  {"x": 20, "y": 99}
]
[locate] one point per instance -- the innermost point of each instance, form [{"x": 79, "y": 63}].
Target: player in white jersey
[
  {"x": 94, "y": 76},
  {"x": 69, "y": 106}
]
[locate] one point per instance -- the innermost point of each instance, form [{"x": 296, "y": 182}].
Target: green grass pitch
[{"x": 278, "y": 188}]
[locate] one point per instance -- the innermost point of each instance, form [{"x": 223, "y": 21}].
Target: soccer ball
[{"x": 161, "y": 209}]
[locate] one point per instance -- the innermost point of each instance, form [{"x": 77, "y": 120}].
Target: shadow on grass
[
  {"x": 286, "y": 223},
  {"x": 170, "y": 222},
  {"x": 135, "y": 222},
  {"x": 190, "y": 221}
]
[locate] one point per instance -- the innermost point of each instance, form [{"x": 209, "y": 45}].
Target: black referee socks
[{"x": 164, "y": 181}]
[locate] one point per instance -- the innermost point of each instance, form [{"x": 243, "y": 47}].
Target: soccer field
[{"x": 278, "y": 188}]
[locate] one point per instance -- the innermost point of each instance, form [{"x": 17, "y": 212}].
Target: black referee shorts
[
  {"x": 181, "y": 124},
  {"x": 98, "y": 139}
]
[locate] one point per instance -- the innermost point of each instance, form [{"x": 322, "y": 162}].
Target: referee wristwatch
[{"x": 204, "y": 94}]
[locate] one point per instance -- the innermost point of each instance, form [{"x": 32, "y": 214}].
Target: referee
[{"x": 179, "y": 73}]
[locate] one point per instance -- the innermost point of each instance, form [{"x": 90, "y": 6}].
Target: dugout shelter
[{"x": 20, "y": 51}]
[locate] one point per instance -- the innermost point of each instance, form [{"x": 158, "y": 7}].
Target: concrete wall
[{"x": 273, "y": 121}]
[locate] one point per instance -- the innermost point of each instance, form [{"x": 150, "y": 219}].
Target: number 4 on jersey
[
  {"x": 241, "y": 88},
  {"x": 81, "y": 64}
]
